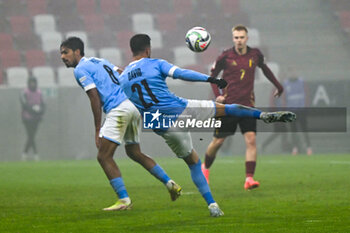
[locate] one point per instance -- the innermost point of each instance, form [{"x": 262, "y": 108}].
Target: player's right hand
[{"x": 220, "y": 99}]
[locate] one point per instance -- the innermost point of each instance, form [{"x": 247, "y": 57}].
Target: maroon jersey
[{"x": 239, "y": 72}]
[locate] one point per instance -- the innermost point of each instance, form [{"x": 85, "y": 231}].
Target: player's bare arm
[{"x": 97, "y": 112}]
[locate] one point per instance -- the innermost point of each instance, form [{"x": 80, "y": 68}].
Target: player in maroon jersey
[{"x": 238, "y": 65}]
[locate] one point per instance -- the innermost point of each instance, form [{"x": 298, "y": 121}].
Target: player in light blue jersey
[
  {"x": 98, "y": 78},
  {"x": 143, "y": 81}
]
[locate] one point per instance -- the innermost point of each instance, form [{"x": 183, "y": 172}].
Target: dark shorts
[{"x": 229, "y": 126}]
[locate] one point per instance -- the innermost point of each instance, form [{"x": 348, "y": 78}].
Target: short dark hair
[
  {"x": 139, "y": 42},
  {"x": 74, "y": 43}
]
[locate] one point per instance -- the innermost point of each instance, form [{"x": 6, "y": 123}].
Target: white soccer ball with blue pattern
[{"x": 198, "y": 39}]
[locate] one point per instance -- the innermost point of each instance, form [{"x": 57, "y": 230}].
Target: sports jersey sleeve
[
  {"x": 84, "y": 79},
  {"x": 267, "y": 72},
  {"x": 218, "y": 66},
  {"x": 184, "y": 74}
]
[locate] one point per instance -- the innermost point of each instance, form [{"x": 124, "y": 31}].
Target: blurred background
[{"x": 312, "y": 38}]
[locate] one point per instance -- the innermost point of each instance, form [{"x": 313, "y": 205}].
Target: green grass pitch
[{"x": 297, "y": 194}]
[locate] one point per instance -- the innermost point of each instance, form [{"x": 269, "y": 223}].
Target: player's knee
[{"x": 217, "y": 142}]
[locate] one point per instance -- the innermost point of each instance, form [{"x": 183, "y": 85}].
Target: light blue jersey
[
  {"x": 101, "y": 74},
  {"x": 143, "y": 81}
]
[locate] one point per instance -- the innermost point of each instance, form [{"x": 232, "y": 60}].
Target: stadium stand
[
  {"x": 45, "y": 76},
  {"x": 17, "y": 76},
  {"x": 9, "y": 58},
  {"x": 86, "y": 7},
  {"x": 6, "y": 41},
  {"x": 114, "y": 55},
  {"x": 65, "y": 77},
  {"x": 109, "y": 7},
  {"x": 93, "y": 23},
  {"x": 37, "y": 7},
  {"x": 20, "y": 25},
  {"x": 35, "y": 58},
  {"x": 50, "y": 41},
  {"x": 183, "y": 57},
  {"x": 142, "y": 22},
  {"x": 44, "y": 23}
]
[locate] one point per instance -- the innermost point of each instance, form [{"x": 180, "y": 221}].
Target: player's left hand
[
  {"x": 221, "y": 83},
  {"x": 277, "y": 93}
]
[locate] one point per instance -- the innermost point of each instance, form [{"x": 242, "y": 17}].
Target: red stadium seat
[
  {"x": 93, "y": 23},
  {"x": 183, "y": 7},
  {"x": 344, "y": 18},
  {"x": 110, "y": 7},
  {"x": 10, "y": 58},
  {"x": 35, "y": 58},
  {"x": 86, "y": 7},
  {"x": 6, "y": 41},
  {"x": 21, "y": 25},
  {"x": 123, "y": 38},
  {"x": 166, "y": 22},
  {"x": 230, "y": 6},
  {"x": 1, "y": 77},
  {"x": 209, "y": 56},
  {"x": 37, "y": 7}
]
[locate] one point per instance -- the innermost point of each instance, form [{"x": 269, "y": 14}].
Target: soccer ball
[{"x": 198, "y": 39}]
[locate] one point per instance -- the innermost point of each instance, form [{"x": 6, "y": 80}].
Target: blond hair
[{"x": 240, "y": 27}]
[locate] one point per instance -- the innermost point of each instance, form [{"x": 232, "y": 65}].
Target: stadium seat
[
  {"x": 209, "y": 56},
  {"x": 184, "y": 57},
  {"x": 118, "y": 22},
  {"x": 110, "y": 7},
  {"x": 230, "y": 6},
  {"x": 17, "y": 76},
  {"x": 156, "y": 6},
  {"x": 97, "y": 41},
  {"x": 142, "y": 22},
  {"x": 51, "y": 41},
  {"x": 13, "y": 7},
  {"x": 113, "y": 55},
  {"x": 54, "y": 58},
  {"x": 254, "y": 37},
  {"x": 123, "y": 39},
  {"x": 156, "y": 39},
  {"x": 62, "y": 8},
  {"x": 94, "y": 23},
  {"x": 86, "y": 7},
  {"x": 44, "y": 23},
  {"x": 132, "y": 7},
  {"x": 72, "y": 22},
  {"x": 81, "y": 34},
  {"x": 28, "y": 41},
  {"x": 6, "y": 41},
  {"x": 35, "y": 58},
  {"x": 274, "y": 67},
  {"x": 166, "y": 22},
  {"x": 20, "y": 25},
  {"x": 45, "y": 76},
  {"x": 89, "y": 52},
  {"x": 37, "y": 7},
  {"x": 9, "y": 58},
  {"x": 66, "y": 77},
  {"x": 344, "y": 19},
  {"x": 183, "y": 7}
]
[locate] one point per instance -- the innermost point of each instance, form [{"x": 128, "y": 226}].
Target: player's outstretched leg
[
  {"x": 134, "y": 152},
  {"x": 244, "y": 111},
  {"x": 199, "y": 180},
  {"x": 124, "y": 202}
]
